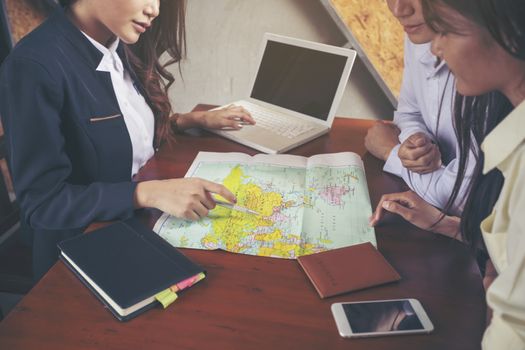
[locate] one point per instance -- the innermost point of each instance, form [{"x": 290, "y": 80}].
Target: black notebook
[{"x": 126, "y": 265}]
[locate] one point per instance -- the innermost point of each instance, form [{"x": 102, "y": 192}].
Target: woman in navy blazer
[{"x": 67, "y": 123}]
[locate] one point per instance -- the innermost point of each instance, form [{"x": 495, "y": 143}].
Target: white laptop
[{"x": 295, "y": 93}]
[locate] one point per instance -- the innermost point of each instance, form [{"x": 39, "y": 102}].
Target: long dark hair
[
  {"x": 476, "y": 116},
  {"x": 166, "y": 34}
]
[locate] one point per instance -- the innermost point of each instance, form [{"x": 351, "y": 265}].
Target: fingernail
[
  {"x": 239, "y": 126},
  {"x": 386, "y": 205}
]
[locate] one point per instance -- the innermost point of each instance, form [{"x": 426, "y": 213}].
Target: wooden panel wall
[
  {"x": 379, "y": 34},
  {"x": 22, "y": 17}
]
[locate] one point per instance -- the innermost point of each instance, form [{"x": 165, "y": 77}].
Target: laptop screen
[{"x": 297, "y": 78}]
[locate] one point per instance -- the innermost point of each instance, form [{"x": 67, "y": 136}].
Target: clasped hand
[{"x": 418, "y": 153}]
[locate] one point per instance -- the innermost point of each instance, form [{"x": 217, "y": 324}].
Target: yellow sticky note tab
[
  {"x": 166, "y": 297},
  {"x": 200, "y": 277}
]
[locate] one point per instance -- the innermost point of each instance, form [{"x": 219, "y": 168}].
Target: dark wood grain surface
[{"x": 249, "y": 302}]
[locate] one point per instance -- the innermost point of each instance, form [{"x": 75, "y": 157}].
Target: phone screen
[{"x": 385, "y": 316}]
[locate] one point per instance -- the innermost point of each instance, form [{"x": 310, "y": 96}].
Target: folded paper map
[{"x": 306, "y": 205}]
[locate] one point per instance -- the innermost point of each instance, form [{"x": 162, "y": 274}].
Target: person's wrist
[
  {"x": 175, "y": 122},
  {"x": 449, "y": 226},
  {"x": 142, "y": 198},
  {"x": 388, "y": 151},
  {"x": 196, "y": 119},
  {"x": 189, "y": 120}
]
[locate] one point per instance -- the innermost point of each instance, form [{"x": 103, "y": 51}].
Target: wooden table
[{"x": 249, "y": 302}]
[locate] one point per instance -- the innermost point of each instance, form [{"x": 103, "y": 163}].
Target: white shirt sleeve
[
  {"x": 435, "y": 187},
  {"x": 408, "y": 116}
]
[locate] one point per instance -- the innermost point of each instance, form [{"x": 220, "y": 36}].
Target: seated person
[
  {"x": 84, "y": 104},
  {"x": 483, "y": 43},
  {"x": 427, "y": 156}
]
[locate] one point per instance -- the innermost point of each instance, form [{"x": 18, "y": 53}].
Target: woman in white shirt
[
  {"x": 421, "y": 145},
  {"x": 84, "y": 104},
  {"x": 483, "y": 43}
]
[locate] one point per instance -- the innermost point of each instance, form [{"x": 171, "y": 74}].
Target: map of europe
[{"x": 305, "y": 206}]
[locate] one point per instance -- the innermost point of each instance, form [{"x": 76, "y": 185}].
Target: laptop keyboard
[{"x": 274, "y": 121}]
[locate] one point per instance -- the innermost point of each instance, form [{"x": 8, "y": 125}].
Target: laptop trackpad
[{"x": 251, "y": 135}]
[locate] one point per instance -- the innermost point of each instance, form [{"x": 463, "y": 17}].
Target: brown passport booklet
[{"x": 347, "y": 269}]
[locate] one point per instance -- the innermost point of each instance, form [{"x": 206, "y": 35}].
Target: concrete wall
[{"x": 224, "y": 37}]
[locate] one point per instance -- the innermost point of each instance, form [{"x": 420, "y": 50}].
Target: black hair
[{"x": 476, "y": 116}]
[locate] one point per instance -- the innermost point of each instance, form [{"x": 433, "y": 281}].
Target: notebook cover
[
  {"x": 347, "y": 269},
  {"x": 129, "y": 262},
  {"x": 103, "y": 301}
]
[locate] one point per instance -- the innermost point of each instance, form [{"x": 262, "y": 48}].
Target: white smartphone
[{"x": 381, "y": 317}]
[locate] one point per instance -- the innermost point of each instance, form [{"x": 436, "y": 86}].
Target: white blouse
[{"x": 137, "y": 114}]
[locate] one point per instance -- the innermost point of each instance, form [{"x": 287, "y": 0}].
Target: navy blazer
[{"x": 71, "y": 165}]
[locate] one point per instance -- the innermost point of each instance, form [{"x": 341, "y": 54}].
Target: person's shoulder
[
  {"x": 43, "y": 45},
  {"x": 36, "y": 57}
]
